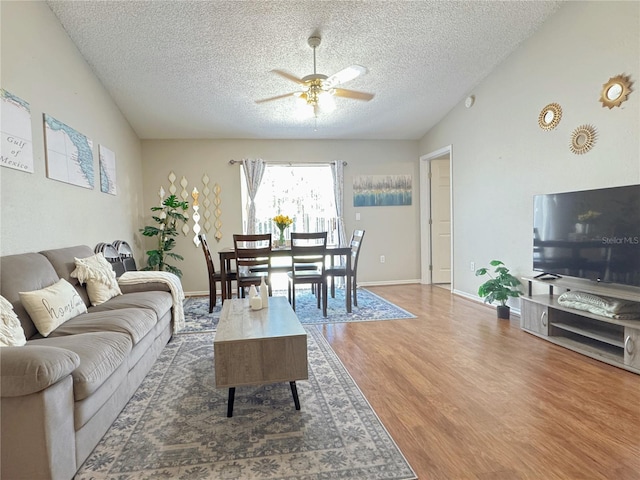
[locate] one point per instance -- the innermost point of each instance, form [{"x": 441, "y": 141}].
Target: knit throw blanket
[{"x": 169, "y": 279}]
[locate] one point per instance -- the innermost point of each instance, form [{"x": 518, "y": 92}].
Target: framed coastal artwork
[
  {"x": 69, "y": 154},
  {"x": 381, "y": 190},
  {"x": 16, "y": 149},
  {"x": 107, "y": 170}
]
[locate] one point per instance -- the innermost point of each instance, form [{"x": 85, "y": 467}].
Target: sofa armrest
[{"x": 32, "y": 368}]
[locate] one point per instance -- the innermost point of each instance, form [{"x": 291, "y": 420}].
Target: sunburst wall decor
[
  {"x": 582, "y": 139},
  {"x": 615, "y": 91}
]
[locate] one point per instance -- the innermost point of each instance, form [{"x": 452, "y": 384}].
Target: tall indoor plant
[
  {"x": 168, "y": 219},
  {"x": 500, "y": 287}
]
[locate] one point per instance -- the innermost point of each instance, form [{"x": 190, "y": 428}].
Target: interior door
[{"x": 440, "y": 180}]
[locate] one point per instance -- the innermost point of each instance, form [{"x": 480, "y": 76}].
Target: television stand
[
  {"x": 547, "y": 276},
  {"x": 610, "y": 340}
]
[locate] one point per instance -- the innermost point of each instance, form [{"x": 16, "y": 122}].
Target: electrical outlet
[
  {"x": 382, "y": 259},
  {"x": 357, "y": 216},
  {"x": 473, "y": 266}
]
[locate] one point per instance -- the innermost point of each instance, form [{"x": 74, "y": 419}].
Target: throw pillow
[
  {"x": 11, "y": 332},
  {"x": 100, "y": 278},
  {"x": 52, "y": 306}
]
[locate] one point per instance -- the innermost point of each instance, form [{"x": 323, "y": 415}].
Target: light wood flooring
[{"x": 468, "y": 396}]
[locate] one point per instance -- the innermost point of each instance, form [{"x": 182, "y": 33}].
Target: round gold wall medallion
[
  {"x": 582, "y": 139},
  {"x": 615, "y": 91},
  {"x": 550, "y": 116}
]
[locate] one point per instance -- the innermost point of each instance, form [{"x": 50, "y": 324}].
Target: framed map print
[
  {"x": 69, "y": 154},
  {"x": 107, "y": 170},
  {"x": 16, "y": 149}
]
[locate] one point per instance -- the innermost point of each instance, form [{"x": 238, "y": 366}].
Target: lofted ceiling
[{"x": 194, "y": 69}]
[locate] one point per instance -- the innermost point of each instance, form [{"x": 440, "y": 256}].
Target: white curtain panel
[
  {"x": 253, "y": 172},
  {"x": 337, "y": 170}
]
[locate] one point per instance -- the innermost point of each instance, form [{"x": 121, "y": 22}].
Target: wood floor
[{"x": 467, "y": 396}]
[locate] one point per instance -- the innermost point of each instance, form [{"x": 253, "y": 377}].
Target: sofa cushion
[
  {"x": 159, "y": 302},
  {"x": 99, "y": 277},
  {"x": 32, "y": 368},
  {"x": 11, "y": 332},
  {"x": 53, "y": 305},
  {"x": 136, "y": 322},
  {"x": 23, "y": 273},
  {"x": 63, "y": 262},
  {"x": 100, "y": 354}
]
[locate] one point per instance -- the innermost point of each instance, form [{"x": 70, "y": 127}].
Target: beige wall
[
  {"x": 501, "y": 158},
  {"x": 390, "y": 231},
  {"x": 40, "y": 64}
]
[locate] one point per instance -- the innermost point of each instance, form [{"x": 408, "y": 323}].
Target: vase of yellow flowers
[{"x": 282, "y": 222}]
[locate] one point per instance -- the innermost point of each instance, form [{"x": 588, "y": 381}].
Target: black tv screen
[{"x": 592, "y": 234}]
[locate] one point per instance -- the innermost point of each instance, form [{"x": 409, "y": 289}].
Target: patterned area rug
[
  {"x": 175, "y": 426},
  {"x": 370, "y": 307}
]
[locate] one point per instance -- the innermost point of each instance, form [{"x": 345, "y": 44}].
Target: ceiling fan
[{"x": 317, "y": 90}]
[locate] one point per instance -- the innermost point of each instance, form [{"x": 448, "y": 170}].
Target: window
[{"x": 304, "y": 192}]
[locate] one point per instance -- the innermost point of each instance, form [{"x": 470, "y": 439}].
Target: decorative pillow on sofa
[
  {"x": 11, "y": 332},
  {"x": 52, "y": 306},
  {"x": 100, "y": 278}
]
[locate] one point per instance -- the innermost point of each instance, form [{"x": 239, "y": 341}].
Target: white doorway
[
  {"x": 436, "y": 217},
  {"x": 440, "y": 179}
]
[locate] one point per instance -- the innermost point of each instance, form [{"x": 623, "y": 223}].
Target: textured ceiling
[{"x": 193, "y": 69}]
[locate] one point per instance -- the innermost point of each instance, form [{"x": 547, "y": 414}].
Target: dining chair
[
  {"x": 253, "y": 260},
  {"x": 126, "y": 254},
  {"x": 341, "y": 270},
  {"x": 214, "y": 277},
  {"x": 308, "y": 253},
  {"x": 112, "y": 256}
]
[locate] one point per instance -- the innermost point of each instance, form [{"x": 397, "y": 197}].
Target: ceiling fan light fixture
[
  {"x": 305, "y": 110},
  {"x": 326, "y": 102}
]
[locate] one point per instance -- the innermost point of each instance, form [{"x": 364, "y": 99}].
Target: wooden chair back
[
  {"x": 356, "y": 243},
  {"x": 253, "y": 253},
  {"x": 207, "y": 255},
  {"x": 308, "y": 249}
]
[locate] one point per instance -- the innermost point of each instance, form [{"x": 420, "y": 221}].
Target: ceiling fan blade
[
  {"x": 341, "y": 92},
  {"x": 345, "y": 75},
  {"x": 276, "y": 98},
  {"x": 288, "y": 76}
]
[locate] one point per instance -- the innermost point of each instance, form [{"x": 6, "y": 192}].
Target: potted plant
[
  {"x": 499, "y": 287},
  {"x": 168, "y": 219}
]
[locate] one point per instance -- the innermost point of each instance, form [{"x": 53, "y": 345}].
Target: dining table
[{"x": 228, "y": 254}]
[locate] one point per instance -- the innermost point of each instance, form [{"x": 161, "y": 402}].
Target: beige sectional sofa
[{"x": 61, "y": 393}]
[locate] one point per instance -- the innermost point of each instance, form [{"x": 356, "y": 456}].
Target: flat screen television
[{"x": 591, "y": 234}]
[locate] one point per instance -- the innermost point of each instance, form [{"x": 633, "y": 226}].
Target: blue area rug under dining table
[{"x": 371, "y": 307}]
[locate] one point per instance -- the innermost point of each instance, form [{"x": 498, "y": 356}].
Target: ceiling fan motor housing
[{"x": 314, "y": 41}]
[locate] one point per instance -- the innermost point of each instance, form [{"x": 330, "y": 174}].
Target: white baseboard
[
  {"x": 198, "y": 294},
  {"x": 475, "y": 298},
  {"x": 389, "y": 282}
]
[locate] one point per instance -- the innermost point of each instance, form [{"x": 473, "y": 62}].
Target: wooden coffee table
[{"x": 259, "y": 347}]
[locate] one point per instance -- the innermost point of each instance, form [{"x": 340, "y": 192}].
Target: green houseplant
[
  {"x": 171, "y": 214},
  {"x": 500, "y": 287}
]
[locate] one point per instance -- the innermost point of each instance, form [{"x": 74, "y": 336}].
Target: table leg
[
  {"x": 348, "y": 282},
  {"x": 223, "y": 279},
  {"x": 232, "y": 396},
  {"x": 294, "y": 391}
]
